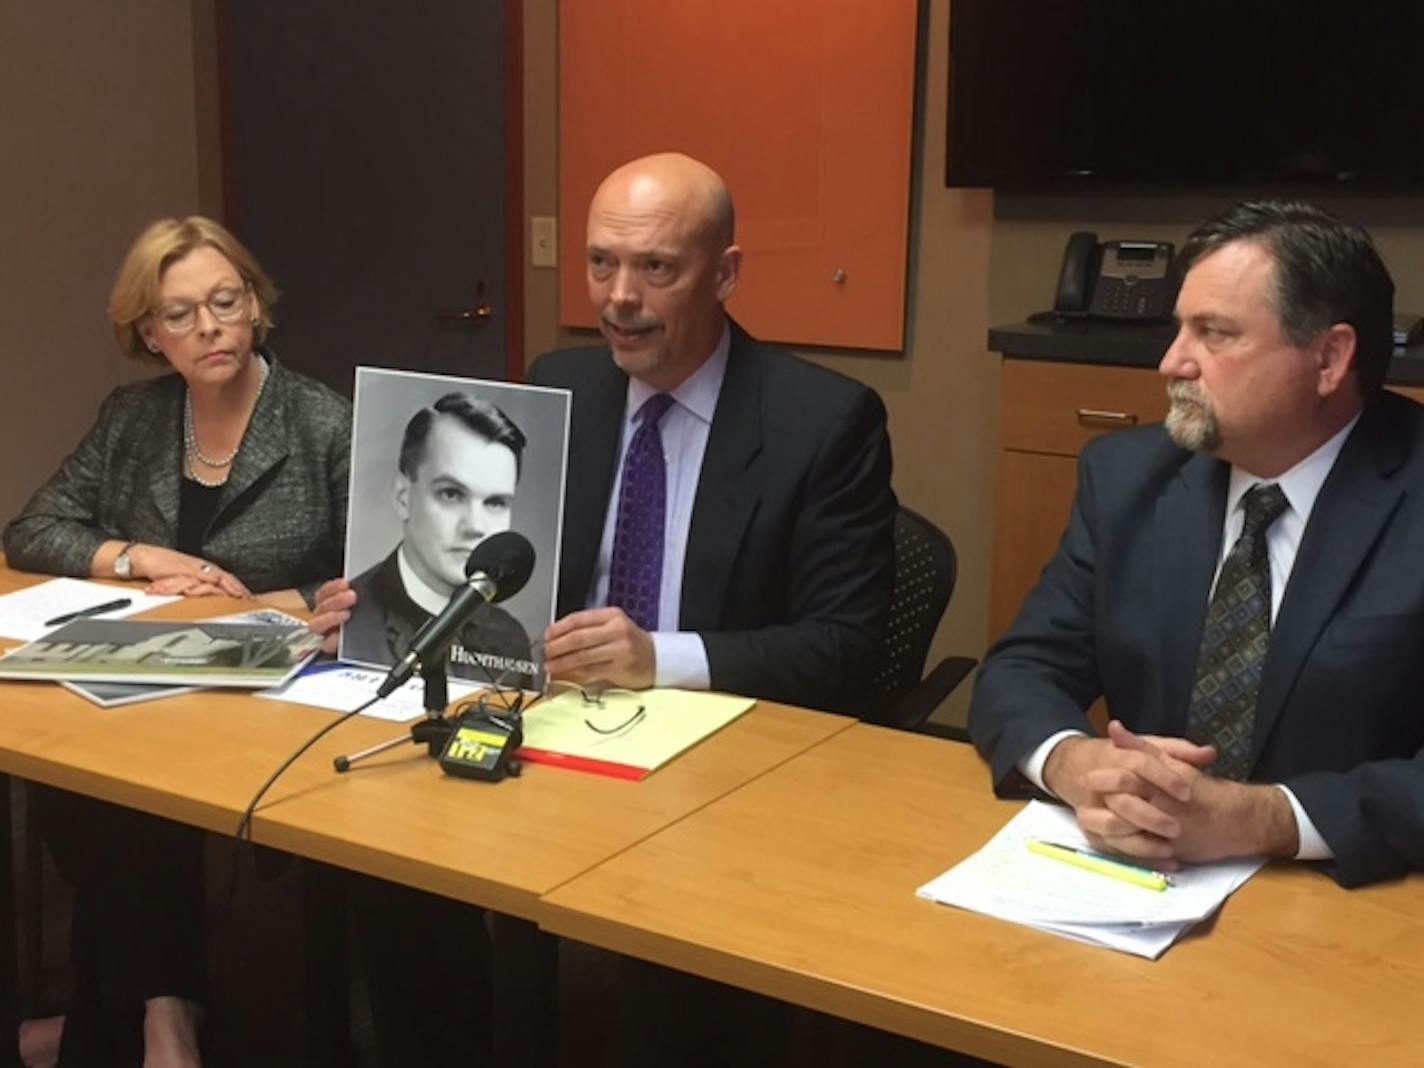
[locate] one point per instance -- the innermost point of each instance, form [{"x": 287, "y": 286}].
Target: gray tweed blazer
[{"x": 281, "y": 516}]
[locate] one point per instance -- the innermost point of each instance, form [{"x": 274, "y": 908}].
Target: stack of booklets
[
  {"x": 171, "y": 653},
  {"x": 1013, "y": 877}
]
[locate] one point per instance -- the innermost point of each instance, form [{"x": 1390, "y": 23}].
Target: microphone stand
[{"x": 433, "y": 731}]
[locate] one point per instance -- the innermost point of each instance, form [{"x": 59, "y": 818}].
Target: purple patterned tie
[{"x": 635, "y": 574}]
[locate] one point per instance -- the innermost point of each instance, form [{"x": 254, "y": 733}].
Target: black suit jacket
[
  {"x": 1120, "y": 608},
  {"x": 790, "y": 552}
]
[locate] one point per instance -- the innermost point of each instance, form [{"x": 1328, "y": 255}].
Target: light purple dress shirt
[{"x": 681, "y": 658}]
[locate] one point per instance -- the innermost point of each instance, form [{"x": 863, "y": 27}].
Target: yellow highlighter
[{"x": 1113, "y": 869}]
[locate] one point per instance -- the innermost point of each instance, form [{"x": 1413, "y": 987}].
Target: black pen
[{"x": 94, "y": 610}]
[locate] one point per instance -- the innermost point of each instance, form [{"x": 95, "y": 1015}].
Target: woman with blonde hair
[{"x": 227, "y": 476}]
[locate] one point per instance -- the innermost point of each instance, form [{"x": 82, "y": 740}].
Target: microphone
[{"x": 498, "y": 568}]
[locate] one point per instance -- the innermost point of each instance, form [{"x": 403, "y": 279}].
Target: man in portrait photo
[{"x": 456, "y": 477}]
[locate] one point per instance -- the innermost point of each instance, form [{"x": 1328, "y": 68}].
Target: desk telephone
[{"x": 1134, "y": 280}]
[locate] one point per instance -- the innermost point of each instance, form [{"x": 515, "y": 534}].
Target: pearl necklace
[{"x": 195, "y": 454}]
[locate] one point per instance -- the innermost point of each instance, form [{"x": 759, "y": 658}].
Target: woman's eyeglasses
[{"x": 226, "y": 305}]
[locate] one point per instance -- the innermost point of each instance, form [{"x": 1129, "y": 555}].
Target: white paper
[
  {"x": 1149, "y": 942},
  {"x": 1005, "y": 880},
  {"x": 342, "y": 687},
  {"x": 23, "y": 613}
]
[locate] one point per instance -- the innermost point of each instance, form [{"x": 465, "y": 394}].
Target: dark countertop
[{"x": 1133, "y": 345}]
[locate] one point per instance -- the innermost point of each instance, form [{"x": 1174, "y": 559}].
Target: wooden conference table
[
  {"x": 801, "y": 885},
  {"x": 199, "y": 758},
  {"x": 780, "y": 855}
]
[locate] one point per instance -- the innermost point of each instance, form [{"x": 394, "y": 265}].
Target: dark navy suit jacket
[
  {"x": 1119, "y": 611},
  {"x": 790, "y": 553}
]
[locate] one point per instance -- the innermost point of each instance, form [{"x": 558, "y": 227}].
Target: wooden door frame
[
  {"x": 514, "y": 243},
  {"x": 513, "y": 13}
]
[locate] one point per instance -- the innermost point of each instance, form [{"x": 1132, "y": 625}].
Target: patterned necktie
[
  {"x": 1234, "y": 641},
  {"x": 635, "y": 573}
]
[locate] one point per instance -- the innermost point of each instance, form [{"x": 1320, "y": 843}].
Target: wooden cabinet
[
  {"x": 1048, "y": 412},
  {"x": 1414, "y": 393}
]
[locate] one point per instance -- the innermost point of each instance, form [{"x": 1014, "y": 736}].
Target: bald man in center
[
  {"x": 773, "y": 574},
  {"x": 728, "y": 525},
  {"x": 729, "y": 522}
]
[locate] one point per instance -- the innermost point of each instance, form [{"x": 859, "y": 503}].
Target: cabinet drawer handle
[{"x": 1099, "y": 415}]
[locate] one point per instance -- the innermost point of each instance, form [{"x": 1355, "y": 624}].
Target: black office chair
[{"x": 925, "y": 571}]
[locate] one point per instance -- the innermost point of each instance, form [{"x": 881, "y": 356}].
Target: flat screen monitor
[{"x": 1187, "y": 93}]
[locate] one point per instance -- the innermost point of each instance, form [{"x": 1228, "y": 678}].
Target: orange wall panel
[{"x": 806, "y": 109}]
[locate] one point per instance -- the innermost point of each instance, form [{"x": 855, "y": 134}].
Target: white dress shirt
[
  {"x": 1301, "y": 486},
  {"x": 680, "y": 656}
]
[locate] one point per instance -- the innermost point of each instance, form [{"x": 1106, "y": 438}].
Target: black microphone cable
[
  {"x": 497, "y": 688},
  {"x": 244, "y": 825}
]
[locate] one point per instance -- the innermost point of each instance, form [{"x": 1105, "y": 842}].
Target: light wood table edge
[
  {"x": 923, "y": 1023},
  {"x": 271, "y": 830},
  {"x": 172, "y": 806},
  {"x": 350, "y": 856}
]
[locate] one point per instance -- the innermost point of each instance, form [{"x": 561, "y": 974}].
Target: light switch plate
[{"x": 543, "y": 241}]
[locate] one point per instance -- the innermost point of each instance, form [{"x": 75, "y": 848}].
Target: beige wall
[
  {"x": 941, "y": 394},
  {"x": 97, "y": 105},
  {"x": 1030, "y": 231}
]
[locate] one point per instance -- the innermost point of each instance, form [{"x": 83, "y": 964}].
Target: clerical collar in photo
[{"x": 432, "y": 601}]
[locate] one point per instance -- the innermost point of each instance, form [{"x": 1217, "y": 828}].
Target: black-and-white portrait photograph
[{"x": 439, "y": 465}]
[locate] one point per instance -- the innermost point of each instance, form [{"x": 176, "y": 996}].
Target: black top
[{"x": 197, "y": 504}]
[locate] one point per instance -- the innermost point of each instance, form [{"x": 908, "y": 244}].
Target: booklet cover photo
[{"x": 175, "y": 653}]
